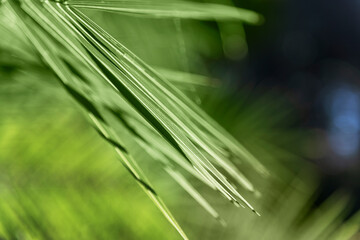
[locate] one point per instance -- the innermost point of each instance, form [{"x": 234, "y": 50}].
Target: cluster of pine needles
[{"x": 146, "y": 112}]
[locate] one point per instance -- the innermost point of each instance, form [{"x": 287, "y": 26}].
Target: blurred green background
[{"x": 60, "y": 180}]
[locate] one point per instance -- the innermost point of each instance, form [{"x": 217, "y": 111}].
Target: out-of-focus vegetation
[
  {"x": 56, "y": 187},
  {"x": 60, "y": 179}
]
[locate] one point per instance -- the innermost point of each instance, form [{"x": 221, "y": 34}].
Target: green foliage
[{"x": 64, "y": 184}]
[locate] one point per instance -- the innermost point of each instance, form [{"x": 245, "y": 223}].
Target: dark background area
[{"x": 309, "y": 50}]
